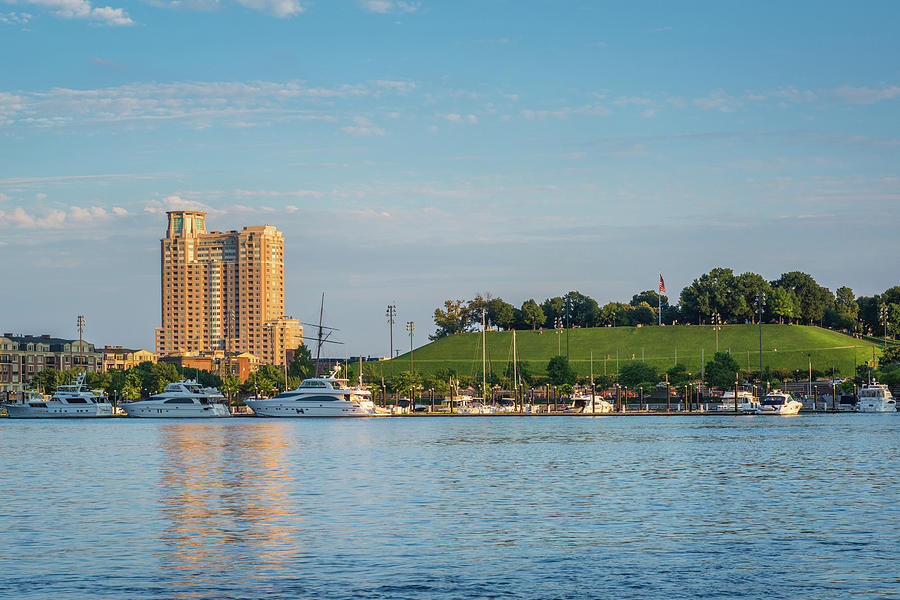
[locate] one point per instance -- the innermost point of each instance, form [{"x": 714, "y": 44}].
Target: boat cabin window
[
  {"x": 312, "y": 383},
  {"x": 179, "y": 401},
  {"x": 319, "y": 399},
  {"x": 76, "y": 401},
  {"x": 37, "y": 405}
]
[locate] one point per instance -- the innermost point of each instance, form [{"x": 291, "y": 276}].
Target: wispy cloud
[
  {"x": 389, "y": 6},
  {"x": 80, "y": 9},
  {"x": 362, "y": 126},
  {"x": 240, "y": 102},
  {"x": 458, "y": 118},
  {"x": 15, "y": 18},
  {"x": 56, "y": 218},
  {"x": 865, "y": 95}
]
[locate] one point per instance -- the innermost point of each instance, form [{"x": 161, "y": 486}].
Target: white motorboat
[
  {"x": 319, "y": 397},
  {"x": 582, "y": 403},
  {"x": 876, "y": 398},
  {"x": 779, "y": 403},
  {"x": 746, "y": 402},
  {"x": 69, "y": 401},
  {"x": 182, "y": 399}
]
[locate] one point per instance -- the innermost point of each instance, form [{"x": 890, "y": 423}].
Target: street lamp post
[
  {"x": 391, "y": 315},
  {"x": 717, "y": 325},
  {"x": 760, "y": 303},
  {"x": 567, "y": 327},
  {"x": 410, "y": 328},
  {"x": 558, "y": 323},
  {"x": 884, "y": 321}
]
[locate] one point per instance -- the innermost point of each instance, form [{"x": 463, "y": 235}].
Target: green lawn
[{"x": 784, "y": 346}]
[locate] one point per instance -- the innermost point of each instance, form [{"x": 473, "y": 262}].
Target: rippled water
[{"x": 635, "y": 507}]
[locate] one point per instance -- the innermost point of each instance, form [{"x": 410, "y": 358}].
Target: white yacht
[
  {"x": 319, "y": 397},
  {"x": 69, "y": 401},
  {"x": 876, "y": 398},
  {"x": 779, "y": 403},
  {"x": 182, "y": 399},
  {"x": 582, "y": 403},
  {"x": 746, "y": 402}
]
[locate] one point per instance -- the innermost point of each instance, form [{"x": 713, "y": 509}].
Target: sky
[{"x": 418, "y": 151}]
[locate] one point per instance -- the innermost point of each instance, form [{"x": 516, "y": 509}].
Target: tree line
[{"x": 717, "y": 296}]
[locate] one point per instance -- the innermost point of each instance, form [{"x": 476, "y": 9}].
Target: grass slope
[{"x": 784, "y": 346}]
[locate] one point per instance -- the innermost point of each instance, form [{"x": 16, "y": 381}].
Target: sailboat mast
[
  {"x": 319, "y": 345},
  {"x": 483, "y": 359},
  {"x": 515, "y": 371}
]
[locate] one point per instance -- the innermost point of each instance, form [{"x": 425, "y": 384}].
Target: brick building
[{"x": 21, "y": 356}]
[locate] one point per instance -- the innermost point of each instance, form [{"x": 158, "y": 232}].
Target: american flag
[{"x": 662, "y": 285}]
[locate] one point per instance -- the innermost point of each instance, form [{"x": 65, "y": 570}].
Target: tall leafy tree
[
  {"x": 614, "y": 313},
  {"x": 302, "y": 364},
  {"x": 559, "y": 371},
  {"x": 500, "y": 313},
  {"x": 552, "y": 308},
  {"x": 454, "y": 318},
  {"x": 747, "y": 287},
  {"x": 812, "y": 299},
  {"x": 783, "y": 304},
  {"x": 712, "y": 292},
  {"x": 583, "y": 310},
  {"x": 636, "y": 372},
  {"x": 722, "y": 370},
  {"x": 532, "y": 314}
]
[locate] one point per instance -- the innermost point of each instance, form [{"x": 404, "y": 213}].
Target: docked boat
[
  {"x": 318, "y": 397},
  {"x": 582, "y": 403},
  {"x": 69, "y": 401},
  {"x": 746, "y": 402},
  {"x": 779, "y": 403},
  {"x": 876, "y": 398},
  {"x": 182, "y": 399}
]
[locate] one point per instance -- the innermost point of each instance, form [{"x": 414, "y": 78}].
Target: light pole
[
  {"x": 391, "y": 314},
  {"x": 567, "y": 327},
  {"x": 558, "y": 323},
  {"x": 760, "y": 303},
  {"x": 80, "y": 322},
  {"x": 884, "y": 321},
  {"x": 717, "y": 325},
  {"x": 809, "y": 358},
  {"x": 410, "y": 328}
]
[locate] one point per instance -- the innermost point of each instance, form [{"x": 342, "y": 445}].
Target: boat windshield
[{"x": 774, "y": 400}]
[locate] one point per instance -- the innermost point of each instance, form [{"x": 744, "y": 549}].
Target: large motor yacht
[
  {"x": 779, "y": 403},
  {"x": 746, "y": 403},
  {"x": 582, "y": 403},
  {"x": 69, "y": 401},
  {"x": 876, "y": 398},
  {"x": 318, "y": 397},
  {"x": 182, "y": 399}
]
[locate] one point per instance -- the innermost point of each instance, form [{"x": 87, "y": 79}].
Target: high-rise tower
[{"x": 223, "y": 291}]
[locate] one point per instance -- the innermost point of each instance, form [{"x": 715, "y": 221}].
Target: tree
[
  {"x": 501, "y": 313},
  {"x": 651, "y": 297},
  {"x": 532, "y": 314},
  {"x": 559, "y": 371},
  {"x": 747, "y": 287},
  {"x": 812, "y": 299},
  {"x": 131, "y": 390},
  {"x": 406, "y": 383},
  {"x": 231, "y": 386},
  {"x": 614, "y": 313},
  {"x": 453, "y": 319},
  {"x": 713, "y": 292},
  {"x": 553, "y": 308},
  {"x": 266, "y": 379},
  {"x": 583, "y": 310},
  {"x": 722, "y": 370},
  {"x": 678, "y": 375},
  {"x": 642, "y": 314},
  {"x": 782, "y": 303},
  {"x": 636, "y": 372},
  {"x": 302, "y": 364},
  {"x": 45, "y": 380}
]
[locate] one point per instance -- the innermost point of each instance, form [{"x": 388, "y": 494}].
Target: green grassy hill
[{"x": 784, "y": 346}]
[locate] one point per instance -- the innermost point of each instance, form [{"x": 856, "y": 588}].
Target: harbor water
[{"x": 482, "y": 507}]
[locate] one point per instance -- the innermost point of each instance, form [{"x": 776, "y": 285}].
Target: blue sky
[{"x": 417, "y": 151}]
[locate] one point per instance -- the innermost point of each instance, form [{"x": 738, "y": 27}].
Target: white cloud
[
  {"x": 168, "y": 203},
  {"x": 55, "y": 218},
  {"x": 565, "y": 112},
  {"x": 198, "y": 102},
  {"x": 864, "y": 95},
  {"x": 119, "y": 211},
  {"x": 719, "y": 100},
  {"x": 82, "y": 9},
  {"x": 15, "y": 18},
  {"x": 278, "y": 8},
  {"x": 290, "y": 208},
  {"x": 389, "y": 6},
  {"x": 458, "y": 118},
  {"x": 363, "y": 126}
]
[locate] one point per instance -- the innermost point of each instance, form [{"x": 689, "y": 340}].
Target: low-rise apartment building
[
  {"x": 117, "y": 358},
  {"x": 21, "y": 356}
]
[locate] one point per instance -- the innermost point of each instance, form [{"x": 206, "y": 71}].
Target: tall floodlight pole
[
  {"x": 760, "y": 302},
  {"x": 717, "y": 325},
  {"x": 558, "y": 322},
  {"x": 410, "y": 328},
  {"x": 80, "y": 322},
  {"x": 884, "y": 321},
  {"x": 567, "y": 326},
  {"x": 391, "y": 315}
]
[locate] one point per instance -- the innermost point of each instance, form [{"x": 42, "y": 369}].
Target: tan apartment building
[
  {"x": 223, "y": 290},
  {"x": 21, "y": 356},
  {"x": 117, "y": 358}
]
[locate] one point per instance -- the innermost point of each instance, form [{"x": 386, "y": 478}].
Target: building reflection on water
[{"x": 224, "y": 492}]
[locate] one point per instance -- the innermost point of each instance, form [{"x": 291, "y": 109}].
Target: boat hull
[
  {"x": 58, "y": 411},
  {"x": 294, "y": 409},
  {"x": 157, "y": 411},
  {"x": 878, "y": 407}
]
